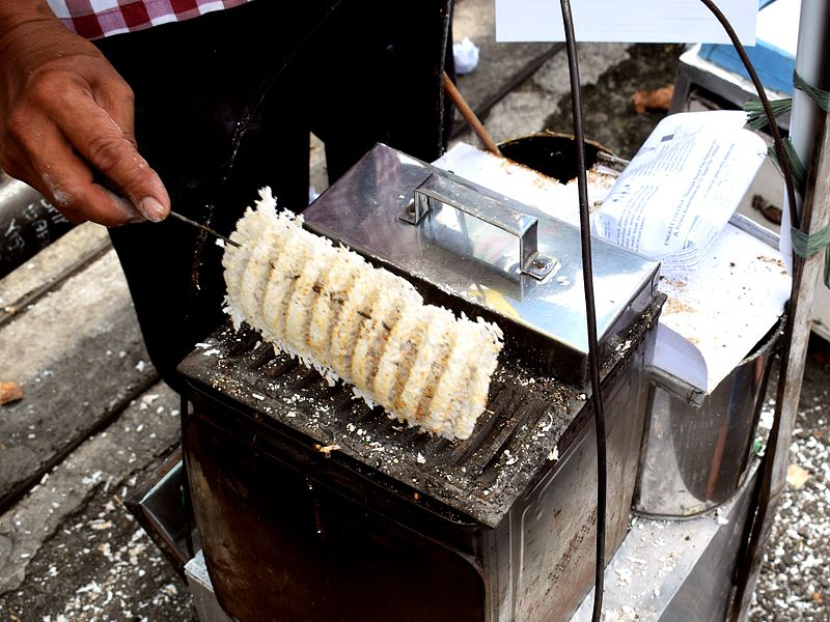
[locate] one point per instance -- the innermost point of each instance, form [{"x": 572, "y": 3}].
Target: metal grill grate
[{"x": 525, "y": 425}]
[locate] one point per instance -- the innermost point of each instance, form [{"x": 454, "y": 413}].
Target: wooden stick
[
  {"x": 469, "y": 116},
  {"x": 806, "y": 272}
]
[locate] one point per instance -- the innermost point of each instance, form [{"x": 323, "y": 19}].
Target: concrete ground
[{"x": 95, "y": 421}]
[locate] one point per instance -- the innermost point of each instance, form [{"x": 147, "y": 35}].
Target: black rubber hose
[
  {"x": 759, "y": 88},
  {"x": 590, "y": 307},
  {"x": 756, "y": 524}
]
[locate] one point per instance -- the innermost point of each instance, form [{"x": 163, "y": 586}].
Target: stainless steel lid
[{"x": 485, "y": 254}]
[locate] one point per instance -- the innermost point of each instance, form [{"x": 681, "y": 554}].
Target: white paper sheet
[
  {"x": 645, "y": 21},
  {"x": 682, "y": 188},
  {"x": 714, "y": 318},
  {"x": 778, "y": 25}
]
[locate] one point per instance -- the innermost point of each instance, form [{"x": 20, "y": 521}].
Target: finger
[
  {"x": 100, "y": 141},
  {"x": 116, "y": 97},
  {"x": 67, "y": 182},
  {"x": 38, "y": 153}
]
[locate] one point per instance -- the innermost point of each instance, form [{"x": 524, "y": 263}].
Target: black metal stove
[{"x": 312, "y": 506}]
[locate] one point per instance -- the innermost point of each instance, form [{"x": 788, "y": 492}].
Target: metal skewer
[
  {"x": 459, "y": 101},
  {"x": 204, "y": 228}
]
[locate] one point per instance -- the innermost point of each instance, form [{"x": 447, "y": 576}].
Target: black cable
[
  {"x": 590, "y": 307},
  {"x": 762, "y": 95},
  {"x": 573, "y": 66},
  {"x": 756, "y": 526}
]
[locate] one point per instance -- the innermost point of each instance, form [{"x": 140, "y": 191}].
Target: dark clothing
[{"x": 224, "y": 106}]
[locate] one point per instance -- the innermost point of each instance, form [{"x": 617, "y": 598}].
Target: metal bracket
[{"x": 438, "y": 191}]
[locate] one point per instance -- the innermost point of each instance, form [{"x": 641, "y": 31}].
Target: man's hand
[{"x": 66, "y": 122}]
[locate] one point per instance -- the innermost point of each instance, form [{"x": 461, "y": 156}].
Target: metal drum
[
  {"x": 697, "y": 447},
  {"x": 554, "y": 154},
  {"x": 28, "y": 223}
]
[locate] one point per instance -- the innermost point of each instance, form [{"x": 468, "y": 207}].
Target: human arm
[{"x": 66, "y": 119}]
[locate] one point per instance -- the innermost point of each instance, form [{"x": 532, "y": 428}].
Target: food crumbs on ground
[
  {"x": 797, "y": 476},
  {"x": 327, "y": 449},
  {"x": 10, "y": 392}
]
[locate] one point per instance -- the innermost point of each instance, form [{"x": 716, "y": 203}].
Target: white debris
[
  {"x": 147, "y": 400},
  {"x": 92, "y": 479},
  {"x": 466, "y": 56}
]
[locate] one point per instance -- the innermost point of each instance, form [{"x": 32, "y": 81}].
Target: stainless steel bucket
[
  {"x": 554, "y": 154},
  {"x": 696, "y": 448}
]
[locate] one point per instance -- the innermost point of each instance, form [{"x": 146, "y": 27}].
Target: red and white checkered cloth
[{"x": 94, "y": 19}]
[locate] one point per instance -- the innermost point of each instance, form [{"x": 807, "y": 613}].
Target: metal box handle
[{"x": 438, "y": 191}]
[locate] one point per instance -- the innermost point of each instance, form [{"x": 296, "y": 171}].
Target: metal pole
[
  {"x": 809, "y": 63},
  {"x": 811, "y": 130}
]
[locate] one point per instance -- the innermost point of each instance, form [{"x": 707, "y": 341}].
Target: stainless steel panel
[
  {"x": 204, "y": 598},
  {"x": 362, "y": 208},
  {"x": 159, "y": 504},
  {"x": 551, "y": 532},
  {"x": 670, "y": 571},
  {"x": 696, "y": 448}
]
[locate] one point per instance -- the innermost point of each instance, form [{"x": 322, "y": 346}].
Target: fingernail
[{"x": 152, "y": 209}]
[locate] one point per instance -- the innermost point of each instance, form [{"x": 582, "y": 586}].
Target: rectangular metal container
[
  {"x": 396, "y": 525},
  {"x": 312, "y": 506},
  {"x": 459, "y": 258}
]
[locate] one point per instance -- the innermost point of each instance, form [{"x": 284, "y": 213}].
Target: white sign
[{"x": 643, "y": 21}]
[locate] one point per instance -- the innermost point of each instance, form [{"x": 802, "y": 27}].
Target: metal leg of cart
[
  {"x": 669, "y": 570},
  {"x": 204, "y": 598},
  {"x": 659, "y": 573}
]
